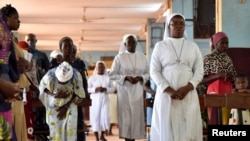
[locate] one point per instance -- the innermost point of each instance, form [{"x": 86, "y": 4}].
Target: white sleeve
[{"x": 156, "y": 69}]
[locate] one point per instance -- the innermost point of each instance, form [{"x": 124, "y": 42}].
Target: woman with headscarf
[
  {"x": 219, "y": 73},
  {"x": 9, "y": 21},
  {"x": 60, "y": 92},
  {"x": 99, "y": 86},
  {"x": 130, "y": 71},
  {"x": 177, "y": 68}
]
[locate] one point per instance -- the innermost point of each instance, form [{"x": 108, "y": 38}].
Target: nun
[{"x": 177, "y": 68}]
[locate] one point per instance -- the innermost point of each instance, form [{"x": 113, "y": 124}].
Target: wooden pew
[
  {"x": 215, "y": 100},
  {"x": 238, "y": 100},
  {"x": 232, "y": 100},
  {"x": 211, "y": 100}
]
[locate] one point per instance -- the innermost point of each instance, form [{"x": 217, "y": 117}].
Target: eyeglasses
[{"x": 177, "y": 24}]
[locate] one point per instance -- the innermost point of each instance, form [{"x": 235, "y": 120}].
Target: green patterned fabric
[{"x": 5, "y": 130}]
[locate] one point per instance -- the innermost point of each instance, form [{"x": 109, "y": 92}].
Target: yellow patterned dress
[{"x": 66, "y": 129}]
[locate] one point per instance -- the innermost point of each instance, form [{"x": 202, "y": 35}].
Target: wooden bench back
[{"x": 232, "y": 100}]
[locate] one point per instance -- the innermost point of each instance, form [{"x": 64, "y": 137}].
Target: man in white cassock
[
  {"x": 130, "y": 71},
  {"x": 177, "y": 68}
]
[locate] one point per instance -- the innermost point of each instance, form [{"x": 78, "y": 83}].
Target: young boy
[{"x": 240, "y": 116}]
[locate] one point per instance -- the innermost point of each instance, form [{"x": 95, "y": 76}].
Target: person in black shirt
[{"x": 41, "y": 58}]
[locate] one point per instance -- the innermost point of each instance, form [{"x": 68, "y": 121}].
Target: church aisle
[{"x": 113, "y": 137}]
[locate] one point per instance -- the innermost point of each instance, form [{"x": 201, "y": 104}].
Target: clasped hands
[
  {"x": 133, "y": 80},
  {"x": 59, "y": 94},
  {"x": 100, "y": 89},
  {"x": 63, "y": 109},
  {"x": 180, "y": 93}
]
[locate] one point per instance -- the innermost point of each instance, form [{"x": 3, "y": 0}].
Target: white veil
[
  {"x": 168, "y": 19},
  {"x": 123, "y": 48}
]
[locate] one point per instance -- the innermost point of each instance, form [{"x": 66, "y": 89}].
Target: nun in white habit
[
  {"x": 99, "y": 86},
  {"x": 177, "y": 68},
  {"x": 123, "y": 47},
  {"x": 130, "y": 71}
]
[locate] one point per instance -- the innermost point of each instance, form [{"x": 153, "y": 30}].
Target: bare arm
[
  {"x": 9, "y": 89},
  {"x": 244, "y": 90},
  {"x": 148, "y": 89}
]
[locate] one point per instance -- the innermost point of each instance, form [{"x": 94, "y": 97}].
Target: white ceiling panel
[{"x": 100, "y": 23}]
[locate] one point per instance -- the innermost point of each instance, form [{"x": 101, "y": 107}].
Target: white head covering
[
  {"x": 54, "y": 53},
  {"x": 123, "y": 48},
  {"x": 96, "y": 67},
  {"x": 168, "y": 19},
  {"x": 64, "y": 72}
]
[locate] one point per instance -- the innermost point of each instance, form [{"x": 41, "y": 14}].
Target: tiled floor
[{"x": 114, "y": 137}]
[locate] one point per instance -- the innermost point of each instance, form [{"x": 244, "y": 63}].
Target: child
[{"x": 240, "y": 116}]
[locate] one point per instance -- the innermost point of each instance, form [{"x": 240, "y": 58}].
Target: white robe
[
  {"x": 99, "y": 109},
  {"x": 131, "y": 116},
  {"x": 176, "y": 120}
]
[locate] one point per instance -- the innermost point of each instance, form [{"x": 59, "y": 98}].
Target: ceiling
[{"x": 94, "y": 25}]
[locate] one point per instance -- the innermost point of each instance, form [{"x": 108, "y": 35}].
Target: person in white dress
[
  {"x": 177, "y": 68},
  {"x": 99, "y": 86},
  {"x": 130, "y": 71}
]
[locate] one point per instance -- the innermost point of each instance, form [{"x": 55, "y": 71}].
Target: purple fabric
[
  {"x": 5, "y": 42},
  {"x": 7, "y": 52}
]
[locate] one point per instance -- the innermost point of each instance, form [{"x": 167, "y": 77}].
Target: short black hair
[
  {"x": 241, "y": 75},
  {"x": 66, "y": 38}
]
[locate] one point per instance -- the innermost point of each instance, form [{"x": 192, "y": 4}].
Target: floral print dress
[{"x": 66, "y": 129}]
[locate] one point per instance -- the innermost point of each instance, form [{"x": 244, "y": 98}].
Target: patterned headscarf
[{"x": 64, "y": 72}]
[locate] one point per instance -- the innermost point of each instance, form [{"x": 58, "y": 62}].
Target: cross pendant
[{"x": 178, "y": 61}]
